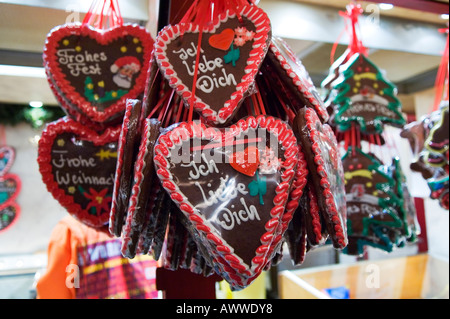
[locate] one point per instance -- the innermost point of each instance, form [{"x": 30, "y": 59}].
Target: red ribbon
[
  {"x": 442, "y": 78},
  {"x": 355, "y": 46},
  {"x": 103, "y": 14},
  {"x": 202, "y": 13}
]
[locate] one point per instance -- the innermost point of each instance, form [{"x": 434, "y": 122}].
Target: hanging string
[
  {"x": 259, "y": 97},
  {"x": 346, "y": 140},
  {"x": 442, "y": 78},
  {"x": 351, "y": 16},
  {"x": 202, "y": 13},
  {"x": 353, "y": 135},
  {"x": 102, "y": 11}
]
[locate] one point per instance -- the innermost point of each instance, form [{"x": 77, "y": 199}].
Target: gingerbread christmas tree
[{"x": 366, "y": 97}]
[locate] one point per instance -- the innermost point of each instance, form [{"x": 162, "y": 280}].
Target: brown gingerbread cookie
[
  {"x": 144, "y": 180},
  {"x": 322, "y": 155},
  {"x": 128, "y": 145}
]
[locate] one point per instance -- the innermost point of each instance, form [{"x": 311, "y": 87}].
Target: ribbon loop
[{"x": 103, "y": 14}]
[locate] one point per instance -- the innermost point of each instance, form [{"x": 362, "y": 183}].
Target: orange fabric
[{"x": 68, "y": 245}]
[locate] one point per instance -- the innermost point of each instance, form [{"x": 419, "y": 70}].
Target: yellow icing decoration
[
  {"x": 361, "y": 172},
  {"x": 367, "y": 75},
  {"x": 102, "y": 154}
]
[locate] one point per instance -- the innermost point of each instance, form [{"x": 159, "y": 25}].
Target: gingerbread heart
[
  {"x": 9, "y": 215},
  {"x": 296, "y": 80},
  {"x": 7, "y": 155},
  {"x": 222, "y": 80},
  {"x": 78, "y": 165},
  {"x": 191, "y": 160},
  {"x": 327, "y": 173},
  {"x": 10, "y": 186},
  {"x": 95, "y": 71}
]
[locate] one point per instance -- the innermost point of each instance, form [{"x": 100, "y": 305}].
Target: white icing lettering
[
  {"x": 81, "y": 63},
  {"x": 201, "y": 170},
  {"x": 208, "y": 83},
  {"x": 81, "y": 178},
  {"x": 226, "y": 191},
  {"x": 73, "y": 162},
  {"x": 212, "y": 74},
  {"x": 184, "y": 54},
  {"x": 231, "y": 218}
]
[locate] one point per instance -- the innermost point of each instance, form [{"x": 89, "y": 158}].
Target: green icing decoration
[{"x": 362, "y": 79}]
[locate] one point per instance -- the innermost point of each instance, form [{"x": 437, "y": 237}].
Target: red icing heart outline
[
  {"x": 240, "y": 161},
  {"x": 51, "y": 132},
  {"x": 223, "y": 40},
  {"x": 18, "y": 184},
  {"x": 4, "y": 151},
  {"x": 63, "y": 88},
  {"x": 223, "y": 254},
  {"x": 256, "y": 56}
]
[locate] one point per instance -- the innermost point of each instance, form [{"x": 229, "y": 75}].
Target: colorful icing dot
[
  {"x": 71, "y": 189},
  {"x": 358, "y": 84},
  {"x": 138, "y": 49},
  {"x": 101, "y": 84},
  {"x": 114, "y": 94},
  {"x": 375, "y": 85},
  {"x": 96, "y": 97},
  {"x": 355, "y": 90},
  {"x": 60, "y": 142},
  {"x": 369, "y": 184},
  {"x": 78, "y": 48},
  {"x": 123, "y": 49},
  {"x": 135, "y": 40},
  {"x": 381, "y": 93},
  {"x": 90, "y": 86},
  {"x": 66, "y": 42}
]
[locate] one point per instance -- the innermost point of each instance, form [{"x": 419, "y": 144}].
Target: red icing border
[
  {"x": 103, "y": 37},
  {"x": 138, "y": 179},
  {"x": 315, "y": 218},
  {"x": 256, "y": 56},
  {"x": 298, "y": 82},
  {"x": 337, "y": 218},
  {"x": 298, "y": 185},
  {"x": 230, "y": 262},
  {"x": 49, "y": 134}
]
